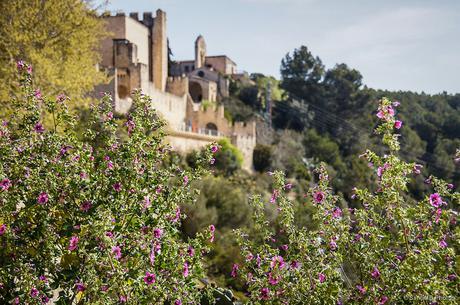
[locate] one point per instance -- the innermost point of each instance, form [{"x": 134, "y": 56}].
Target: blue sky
[{"x": 397, "y": 45}]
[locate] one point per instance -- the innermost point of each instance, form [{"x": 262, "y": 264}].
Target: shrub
[
  {"x": 393, "y": 250},
  {"x": 96, "y": 225}
]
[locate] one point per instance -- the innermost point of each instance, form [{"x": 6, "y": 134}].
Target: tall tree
[
  {"x": 59, "y": 38},
  {"x": 301, "y": 74}
]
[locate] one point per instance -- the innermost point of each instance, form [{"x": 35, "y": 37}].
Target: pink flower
[
  {"x": 417, "y": 169},
  {"x": 177, "y": 216},
  {"x": 157, "y": 233},
  {"x": 212, "y": 161},
  {"x": 38, "y": 94},
  {"x": 110, "y": 165},
  {"x": 214, "y": 149},
  {"x": 332, "y": 245},
  {"x": 275, "y": 195},
  {"x": 85, "y": 206},
  {"x": 116, "y": 251},
  {"x": 337, "y": 213},
  {"x": 2, "y": 229},
  {"x": 20, "y": 64},
  {"x": 191, "y": 251},
  {"x": 131, "y": 125},
  {"x": 318, "y": 196},
  {"x": 295, "y": 264},
  {"x": 117, "y": 186},
  {"x": 375, "y": 273},
  {"x": 39, "y": 128},
  {"x": 321, "y": 277},
  {"x": 235, "y": 269},
  {"x": 5, "y": 184},
  {"x": 442, "y": 244},
  {"x": 288, "y": 186},
  {"x": 383, "y": 300},
  {"x": 73, "y": 245},
  {"x": 284, "y": 247},
  {"x": 185, "y": 270},
  {"x": 43, "y": 278},
  {"x": 390, "y": 111},
  {"x": 34, "y": 292},
  {"x": 273, "y": 280},
  {"x": 264, "y": 294},
  {"x": 436, "y": 200},
  {"x": 380, "y": 114},
  {"x": 61, "y": 98},
  {"x": 398, "y": 124},
  {"x": 361, "y": 289},
  {"x": 212, "y": 229},
  {"x": 178, "y": 302},
  {"x": 109, "y": 234},
  {"x": 277, "y": 261},
  {"x": 42, "y": 198},
  {"x": 149, "y": 278},
  {"x": 185, "y": 180},
  {"x": 29, "y": 69},
  {"x": 396, "y": 103},
  {"x": 80, "y": 286}
]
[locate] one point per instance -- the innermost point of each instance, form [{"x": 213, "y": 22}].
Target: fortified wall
[{"x": 135, "y": 56}]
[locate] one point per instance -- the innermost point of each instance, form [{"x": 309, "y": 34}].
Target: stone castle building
[{"x": 135, "y": 55}]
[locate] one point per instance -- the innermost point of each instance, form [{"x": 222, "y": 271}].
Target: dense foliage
[
  {"x": 94, "y": 224},
  {"x": 392, "y": 250}
]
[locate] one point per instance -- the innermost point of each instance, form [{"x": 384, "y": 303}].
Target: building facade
[{"x": 135, "y": 56}]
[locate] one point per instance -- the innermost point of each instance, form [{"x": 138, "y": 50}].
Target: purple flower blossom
[
  {"x": 337, "y": 212},
  {"x": 277, "y": 261},
  {"x": 185, "y": 180},
  {"x": 383, "y": 300},
  {"x": 396, "y": 103},
  {"x": 398, "y": 124},
  {"x": 176, "y": 216},
  {"x": 157, "y": 233},
  {"x": 332, "y": 245},
  {"x": 318, "y": 196},
  {"x": 264, "y": 294},
  {"x": 442, "y": 244},
  {"x": 5, "y": 184},
  {"x": 273, "y": 280},
  {"x": 212, "y": 161},
  {"x": 185, "y": 270},
  {"x": 212, "y": 229},
  {"x": 284, "y": 247},
  {"x": 380, "y": 114},
  {"x": 321, "y": 277},
  {"x": 109, "y": 234},
  {"x": 42, "y": 198},
  {"x": 85, "y": 206},
  {"x": 375, "y": 273},
  {"x": 61, "y": 98},
  {"x": 361, "y": 289},
  {"x": 275, "y": 195},
  {"x": 149, "y": 278},
  {"x": 417, "y": 169},
  {"x": 191, "y": 251},
  {"x": 214, "y": 149},
  {"x": 38, "y": 94},
  {"x": 177, "y": 302},
  {"x": 116, "y": 251},
  {"x": 436, "y": 200},
  {"x": 288, "y": 186},
  {"x": 80, "y": 286},
  {"x": 73, "y": 245},
  {"x": 117, "y": 186},
  {"x": 43, "y": 278},
  {"x": 34, "y": 292},
  {"x": 131, "y": 125},
  {"x": 20, "y": 64},
  {"x": 38, "y": 128},
  {"x": 295, "y": 264},
  {"x": 45, "y": 299},
  {"x": 235, "y": 269}
]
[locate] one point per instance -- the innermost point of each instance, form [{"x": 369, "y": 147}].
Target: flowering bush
[
  {"x": 93, "y": 224},
  {"x": 392, "y": 250}
]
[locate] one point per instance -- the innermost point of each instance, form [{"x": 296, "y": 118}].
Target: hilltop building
[{"x": 135, "y": 55}]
